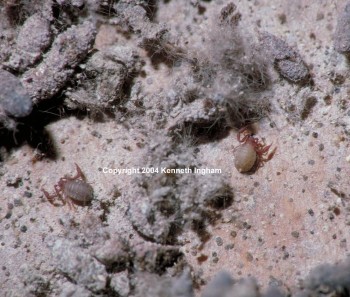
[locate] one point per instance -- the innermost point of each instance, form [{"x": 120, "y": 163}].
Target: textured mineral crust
[
  {"x": 287, "y": 61},
  {"x": 14, "y": 99}
]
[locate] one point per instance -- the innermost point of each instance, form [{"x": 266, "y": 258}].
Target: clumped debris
[
  {"x": 170, "y": 201},
  {"x": 37, "y": 29},
  {"x": 35, "y": 283},
  {"x": 220, "y": 285},
  {"x": 334, "y": 278},
  {"x": 14, "y": 99},
  {"x": 105, "y": 79},
  {"x": 342, "y": 35},
  {"x": 120, "y": 283},
  {"x": 102, "y": 261},
  {"x": 324, "y": 280},
  {"x": 67, "y": 51},
  {"x": 223, "y": 86},
  {"x": 71, "y": 290},
  {"x": 233, "y": 75},
  {"x": 79, "y": 265},
  {"x": 286, "y": 60},
  {"x": 153, "y": 257},
  {"x": 114, "y": 251}
]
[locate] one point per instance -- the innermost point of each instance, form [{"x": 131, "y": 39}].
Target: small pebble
[
  {"x": 233, "y": 234},
  {"x": 229, "y": 246},
  {"x": 96, "y": 134},
  {"x": 285, "y": 255},
  {"x": 246, "y": 226},
  {"x": 17, "y": 202},
  {"x": 219, "y": 241},
  {"x": 23, "y": 228},
  {"x": 336, "y": 211},
  {"x": 14, "y": 99},
  {"x": 286, "y": 60},
  {"x": 295, "y": 234},
  {"x": 28, "y": 194},
  {"x": 249, "y": 257}
]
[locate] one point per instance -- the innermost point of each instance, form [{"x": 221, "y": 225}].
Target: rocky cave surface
[{"x": 142, "y": 93}]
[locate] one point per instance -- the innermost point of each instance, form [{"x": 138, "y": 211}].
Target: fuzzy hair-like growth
[
  {"x": 230, "y": 69},
  {"x": 228, "y": 81}
]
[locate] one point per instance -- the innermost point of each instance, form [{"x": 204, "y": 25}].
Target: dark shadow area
[
  {"x": 119, "y": 266},
  {"x": 171, "y": 238},
  {"x": 31, "y": 130},
  {"x": 175, "y": 230},
  {"x": 222, "y": 199},
  {"x": 32, "y": 133},
  {"x": 161, "y": 51},
  {"x": 218, "y": 201},
  {"x": 15, "y": 12},
  {"x": 199, "y": 226},
  {"x": 64, "y": 16},
  {"x": 105, "y": 206},
  {"x": 242, "y": 112},
  {"x": 347, "y": 57},
  {"x": 151, "y": 9},
  {"x": 107, "y": 8},
  {"x": 201, "y": 132},
  {"x": 166, "y": 259}
]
